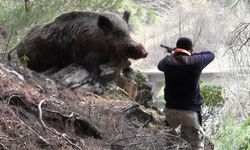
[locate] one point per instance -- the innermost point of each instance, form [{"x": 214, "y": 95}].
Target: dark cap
[{"x": 184, "y": 43}]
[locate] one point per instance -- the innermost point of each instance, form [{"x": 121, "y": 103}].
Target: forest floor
[{"x": 37, "y": 113}]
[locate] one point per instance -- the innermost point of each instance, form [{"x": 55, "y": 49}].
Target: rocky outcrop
[{"x": 133, "y": 84}]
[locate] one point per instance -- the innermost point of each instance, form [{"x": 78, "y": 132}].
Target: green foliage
[
  {"x": 140, "y": 78},
  {"x": 151, "y": 16},
  {"x": 212, "y": 100},
  {"x": 135, "y": 23},
  {"x": 24, "y": 60},
  {"x": 160, "y": 101},
  {"x": 212, "y": 95},
  {"x": 232, "y": 135},
  {"x": 140, "y": 12}
]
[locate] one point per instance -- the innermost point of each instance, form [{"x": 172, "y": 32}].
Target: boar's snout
[{"x": 137, "y": 51}]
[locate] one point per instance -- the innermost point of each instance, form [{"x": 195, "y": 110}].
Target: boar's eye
[
  {"x": 119, "y": 34},
  {"x": 131, "y": 51}
]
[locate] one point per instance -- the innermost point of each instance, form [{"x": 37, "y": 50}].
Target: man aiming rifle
[{"x": 182, "y": 70}]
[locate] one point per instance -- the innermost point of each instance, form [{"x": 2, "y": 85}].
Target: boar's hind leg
[{"x": 92, "y": 63}]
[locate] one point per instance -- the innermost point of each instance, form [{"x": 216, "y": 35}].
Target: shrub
[
  {"x": 232, "y": 135},
  {"x": 213, "y": 100},
  {"x": 24, "y": 60},
  {"x": 212, "y": 96}
]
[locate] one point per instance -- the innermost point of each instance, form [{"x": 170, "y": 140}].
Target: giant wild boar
[{"x": 85, "y": 38}]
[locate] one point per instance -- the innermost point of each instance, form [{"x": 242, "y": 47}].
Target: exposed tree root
[{"x": 53, "y": 121}]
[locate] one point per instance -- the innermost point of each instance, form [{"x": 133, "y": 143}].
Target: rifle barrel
[{"x": 169, "y": 49}]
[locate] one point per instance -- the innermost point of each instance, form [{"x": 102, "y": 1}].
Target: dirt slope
[{"x": 37, "y": 113}]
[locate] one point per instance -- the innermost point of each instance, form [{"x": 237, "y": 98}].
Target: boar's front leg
[
  {"x": 124, "y": 65},
  {"x": 92, "y": 63}
]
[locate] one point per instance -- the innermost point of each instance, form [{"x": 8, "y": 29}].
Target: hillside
[{"x": 38, "y": 113}]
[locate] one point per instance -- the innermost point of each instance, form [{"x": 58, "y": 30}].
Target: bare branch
[
  {"x": 40, "y": 137},
  {"x": 236, "y": 3},
  {"x": 40, "y": 114},
  {"x": 3, "y": 146},
  {"x": 245, "y": 43},
  {"x": 63, "y": 135}
]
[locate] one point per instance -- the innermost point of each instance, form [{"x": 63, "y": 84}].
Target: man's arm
[
  {"x": 162, "y": 64},
  {"x": 204, "y": 58}
]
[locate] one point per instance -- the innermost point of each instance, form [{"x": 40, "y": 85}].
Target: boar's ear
[
  {"x": 126, "y": 16},
  {"x": 104, "y": 23}
]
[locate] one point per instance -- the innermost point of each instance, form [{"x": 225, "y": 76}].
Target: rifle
[{"x": 169, "y": 49}]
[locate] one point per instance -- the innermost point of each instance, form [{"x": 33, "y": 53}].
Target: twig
[
  {"x": 244, "y": 44},
  {"x": 171, "y": 135},
  {"x": 67, "y": 139},
  {"x": 8, "y": 42},
  {"x": 54, "y": 100},
  {"x": 63, "y": 135},
  {"x": 26, "y": 5},
  {"x": 4, "y": 147},
  {"x": 2, "y": 137},
  {"x": 13, "y": 95},
  {"x": 99, "y": 117},
  {"x": 133, "y": 144},
  {"x": 115, "y": 128},
  {"x": 152, "y": 143},
  {"x": 239, "y": 27},
  {"x": 40, "y": 137},
  {"x": 139, "y": 143},
  {"x": 130, "y": 137},
  {"x": 143, "y": 125},
  {"x": 14, "y": 72},
  {"x": 40, "y": 114},
  {"x": 2, "y": 74},
  {"x": 89, "y": 110},
  {"x": 235, "y": 4}
]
